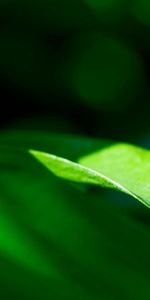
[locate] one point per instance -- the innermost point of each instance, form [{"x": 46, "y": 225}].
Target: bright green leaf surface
[{"x": 119, "y": 166}]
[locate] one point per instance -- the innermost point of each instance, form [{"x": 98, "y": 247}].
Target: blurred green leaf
[
  {"x": 65, "y": 145},
  {"x": 120, "y": 166}
]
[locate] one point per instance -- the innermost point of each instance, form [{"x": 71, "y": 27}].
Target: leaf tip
[{"x": 33, "y": 152}]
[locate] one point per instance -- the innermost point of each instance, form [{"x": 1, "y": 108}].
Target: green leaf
[
  {"x": 123, "y": 167},
  {"x": 58, "y": 242}
]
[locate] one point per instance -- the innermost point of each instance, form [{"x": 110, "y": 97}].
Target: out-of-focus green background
[
  {"x": 70, "y": 62},
  {"x": 71, "y": 71}
]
